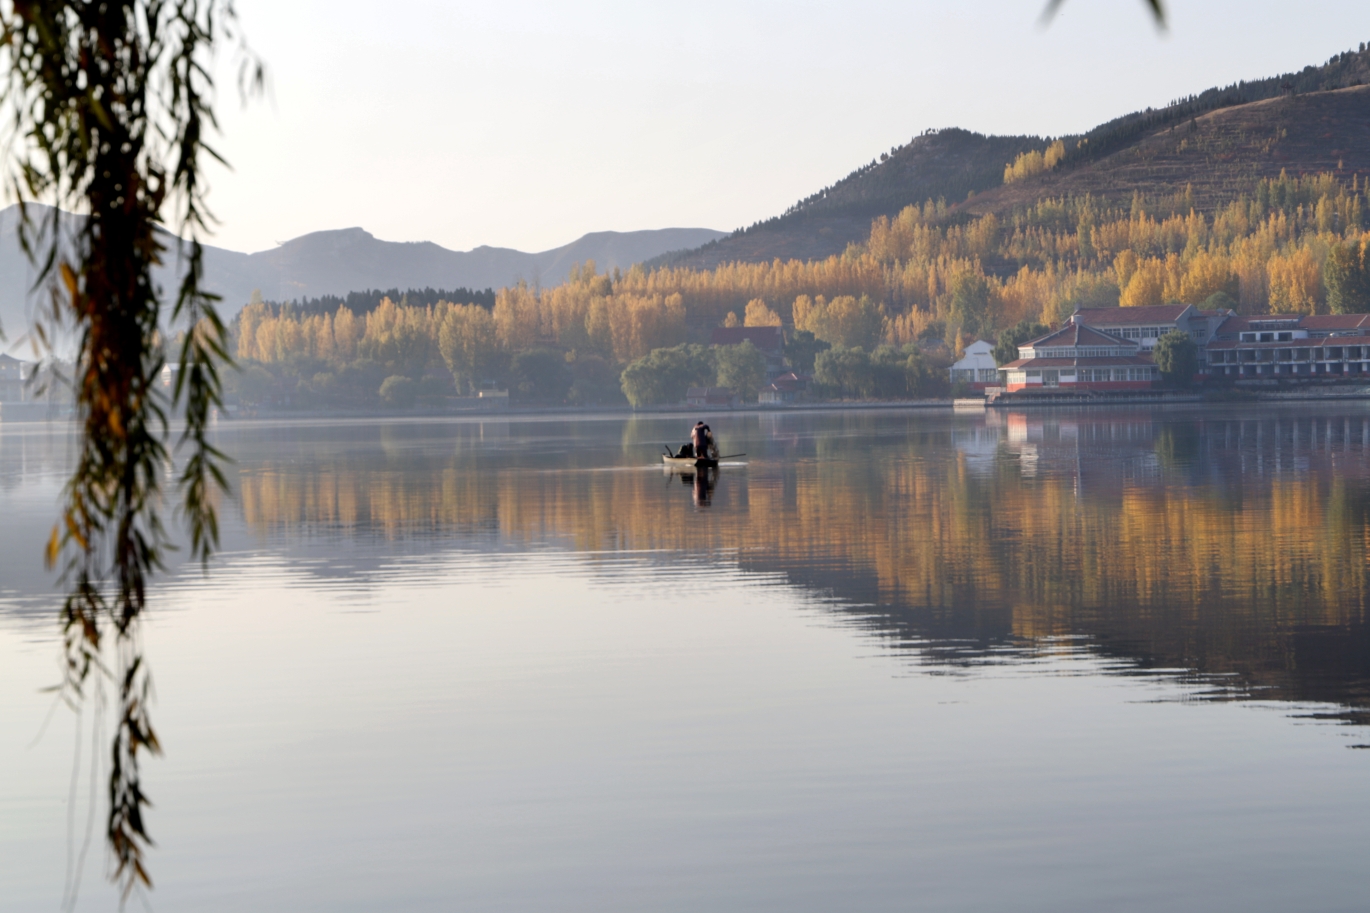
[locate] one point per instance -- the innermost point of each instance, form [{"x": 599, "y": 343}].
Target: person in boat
[
  {"x": 710, "y": 446},
  {"x": 699, "y": 439}
]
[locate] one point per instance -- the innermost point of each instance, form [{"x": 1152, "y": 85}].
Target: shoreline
[{"x": 962, "y": 405}]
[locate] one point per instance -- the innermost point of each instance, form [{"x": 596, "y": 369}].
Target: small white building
[{"x": 977, "y": 368}]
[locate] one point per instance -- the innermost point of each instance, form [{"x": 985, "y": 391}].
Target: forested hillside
[
  {"x": 946, "y": 164},
  {"x": 1308, "y": 136},
  {"x": 1259, "y": 207}
]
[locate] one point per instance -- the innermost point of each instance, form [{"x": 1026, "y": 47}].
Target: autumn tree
[
  {"x": 741, "y": 368},
  {"x": 1348, "y": 278},
  {"x": 1145, "y": 286},
  {"x": 844, "y": 321},
  {"x": 845, "y": 371},
  {"x": 1295, "y": 282},
  {"x": 1206, "y": 274},
  {"x": 467, "y": 340},
  {"x": 759, "y": 314},
  {"x": 974, "y": 305},
  {"x": 664, "y": 375}
]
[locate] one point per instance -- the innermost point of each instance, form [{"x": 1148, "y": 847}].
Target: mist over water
[{"x": 889, "y": 660}]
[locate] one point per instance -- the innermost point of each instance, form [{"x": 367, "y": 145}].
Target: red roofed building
[
  {"x": 1080, "y": 358},
  {"x": 1276, "y": 347},
  {"x": 1150, "y": 323},
  {"x": 785, "y": 389},
  {"x": 709, "y": 396}
]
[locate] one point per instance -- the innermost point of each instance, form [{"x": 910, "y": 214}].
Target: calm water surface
[{"x": 896, "y": 661}]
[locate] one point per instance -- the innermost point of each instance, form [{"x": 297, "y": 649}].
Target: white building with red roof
[{"x": 1080, "y": 358}]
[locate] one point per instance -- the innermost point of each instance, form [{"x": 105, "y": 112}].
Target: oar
[{"x": 732, "y": 456}]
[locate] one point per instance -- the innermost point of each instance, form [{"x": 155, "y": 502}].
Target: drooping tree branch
[
  {"x": 1156, "y": 6},
  {"x": 109, "y": 102}
]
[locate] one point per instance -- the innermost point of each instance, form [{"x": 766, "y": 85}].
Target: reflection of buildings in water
[
  {"x": 1166, "y": 540},
  {"x": 14, "y": 377},
  {"x": 494, "y": 431},
  {"x": 1291, "y": 444},
  {"x": 978, "y": 440},
  {"x": 773, "y": 426},
  {"x": 1131, "y": 448},
  {"x": 1069, "y": 444},
  {"x": 30, "y": 451},
  {"x": 1196, "y": 541}
]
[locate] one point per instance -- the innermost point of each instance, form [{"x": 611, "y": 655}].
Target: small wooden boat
[
  {"x": 676, "y": 462},
  {"x": 690, "y": 462}
]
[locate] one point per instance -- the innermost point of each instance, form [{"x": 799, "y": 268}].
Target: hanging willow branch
[
  {"x": 109, "y": 103},
  {"x": 1156, "y": 7}
]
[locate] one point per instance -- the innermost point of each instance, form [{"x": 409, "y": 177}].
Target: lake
[{"x": 890, "y": 660}]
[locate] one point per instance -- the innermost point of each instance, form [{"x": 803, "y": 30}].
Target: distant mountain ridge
[
  {"x": 1305, "y": 122},
  {"x": 352, "y": 259}
]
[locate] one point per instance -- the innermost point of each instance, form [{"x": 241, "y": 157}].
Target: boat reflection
[{"x": 1230, "y": 546}]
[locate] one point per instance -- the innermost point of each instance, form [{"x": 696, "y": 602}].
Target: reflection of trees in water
[{"x": 1217, "y": 546}]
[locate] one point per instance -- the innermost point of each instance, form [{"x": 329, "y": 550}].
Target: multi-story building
[
  {"x": 1110, "y": 348},
  {"x": 1148, "y": 324},
  {"x": 1292, "y": 347},
  {"x": 1079, "y": 358}
]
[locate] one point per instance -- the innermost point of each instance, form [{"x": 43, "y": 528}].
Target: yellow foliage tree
[
  {"x": 760, "y": 315},
  {"x": 249, "y": 319},
  {"x": 1044, "y": 259},
  {"x": 1146, "y": 285},
  {"x": 637, "y": 324},
  {"x": 518, "y": 317},
  {"x": 902, "y": 329},
  {"x": 844, "y": 321},
  {"x": 346, "y": 332},
  {"x": 1295, "y": 282},
  {"x": 467, "y": 339},
  {"x": 1206, "y": 275},
  {"x": 1124, "y": 265},
  {"x": 1031, "y": 163}
]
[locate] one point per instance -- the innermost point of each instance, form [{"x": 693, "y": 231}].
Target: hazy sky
[{"x": 526, "y": 124}]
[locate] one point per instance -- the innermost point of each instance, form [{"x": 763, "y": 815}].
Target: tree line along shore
[{"x": 884, "y": 319}]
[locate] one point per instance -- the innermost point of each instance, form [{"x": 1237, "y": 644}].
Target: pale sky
[{"x": 526, "y": 123}]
